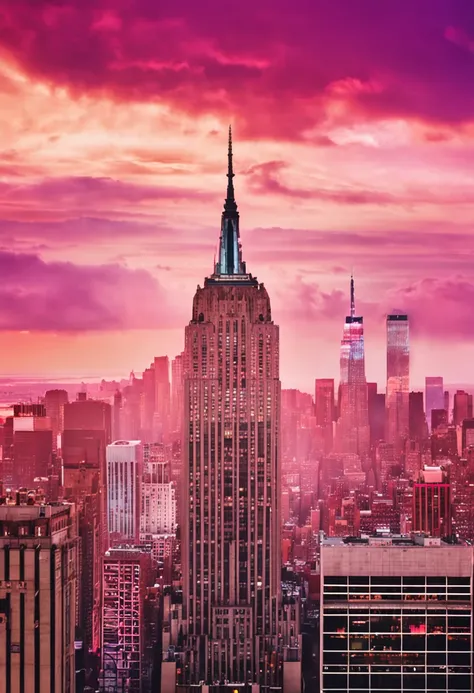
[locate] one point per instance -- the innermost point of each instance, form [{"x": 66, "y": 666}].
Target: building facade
[
  {"x": 126, "y": 573},
  {"x": 396, "y": 615},
  {"x": 38, "y": 576},
  {"x": 124, "y": 473},
  {"x": 434, "y": 395},
  {"x": 231, "y": 492},
  {"x": 398, "y": 380}
]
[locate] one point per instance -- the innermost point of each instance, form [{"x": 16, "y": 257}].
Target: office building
[
  {"x": 439, "y": 417},
  {"x": 177, "y": 395},
  {"x": 396, "y": 615},
  {"x": 434, "y": 395},
  {"x": 87, "y": 432},
  {"x": 54, "y": 401},
  {"x": 158, "y": 497},
  {"x": 38, "y": 573},
  {"x": 124, "y": 476},
  {"x": 126, "y": 574},
  {"x": 462, "y": 407},
  {"x": 353, "y": 425},
  {"x": 398, "y": 385},
  {"x": 325, "y": 410},
  {"x": 376, "y": 405},
  {"x": 432, "y": 512},
  {"x": 417, "y": 420},
  {"x": 231, "y": 529}
]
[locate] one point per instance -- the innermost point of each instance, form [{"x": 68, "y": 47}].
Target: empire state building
[{"x": 231, "y": 633}]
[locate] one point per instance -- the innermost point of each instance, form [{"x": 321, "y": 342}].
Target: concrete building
[
  {"x": 396, "y": 615},
  {"x": 124, "y": 472},
  {"x": 38, "y": 574},
  {"x": 158, "y": 496}
]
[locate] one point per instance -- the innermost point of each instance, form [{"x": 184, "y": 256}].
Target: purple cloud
[{"x": 64, "y": 297}]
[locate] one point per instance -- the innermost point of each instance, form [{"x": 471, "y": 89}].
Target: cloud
[
  {"x": 439, "y": 308},
  {"x": 277, "y": 71},
  {"x": 265, "y": 179},
  {"x": 64, "y": 297}
]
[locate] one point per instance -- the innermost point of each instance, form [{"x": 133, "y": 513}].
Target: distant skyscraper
[
  {"x": 324, "y": 402},
  {"x": 434, "y": 396},
  {"x": 30, "y": 447},
  {"x": 376, "y": 407},
  {"x": 162, "y": 398},
  {"x": 432, "y": 503},
  {"x": 462, "y": 407},
  {"x": 353, "y": 428},
  {"x": 124, "y": 474},
  {"x": 418, "y": 427},
  {"x": 158, "y": 497},
  {"x": 231, "y": 530},
  {"x": 398, "y": 372},
  {"x": 467, "y": 435},
  {"x": 54, "y": 401},
  {"x": 177, "y": 394}
]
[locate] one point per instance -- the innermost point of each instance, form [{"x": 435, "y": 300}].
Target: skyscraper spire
[
  {"x": 353, "y": 306},
  {"x": 230, "y": 205},
  {"x": 230, "y": 254}
]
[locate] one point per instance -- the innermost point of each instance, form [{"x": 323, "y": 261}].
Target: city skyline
[{"x": 114, "y": 187}]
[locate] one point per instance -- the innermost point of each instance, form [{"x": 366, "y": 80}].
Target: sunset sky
[{"x": 353, "y": 148}]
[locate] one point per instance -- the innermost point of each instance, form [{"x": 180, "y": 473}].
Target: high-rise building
[
  {"x": 434, "y": 395},
  {"x": 325, "y": 414},
  {"x": 38, "y": 573},
  {"x": 126, "y": 573},
  {"x": 231, "y": 528},
  {"x": 353, "y": 425},
  {"x": 396, "y": 615},
  {"x": 432, "y": 511},
  {"x": 177, "y": 394},
  {"x": 439, "y": 417},
  {"x": 398, "y": 374},
  {"x": 462, "y": 407},
  {"x": 417, "y": 419},
  {"x": 467, "y": 435},
  {"x": 87, "y": 432},
  {"x": 54, "y": 401},
  {"x": 28, "y": 446},
  {"x": 162, "y": 398},
  {"x": 158, "y": 497},
  {"x": 376, "y": 406},
  {"x": 124, "y": 476}
]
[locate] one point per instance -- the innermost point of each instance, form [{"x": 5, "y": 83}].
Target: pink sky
[{"x": 354, "y": 148}]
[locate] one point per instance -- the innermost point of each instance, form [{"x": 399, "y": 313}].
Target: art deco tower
[
  {"x": 353, "y": 426},
  {"x": 231, "y": 528}
]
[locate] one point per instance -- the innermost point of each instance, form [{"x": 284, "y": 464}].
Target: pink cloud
[
  {"x": 65, "y": 297},
  {"x": 275, "y": 70}
]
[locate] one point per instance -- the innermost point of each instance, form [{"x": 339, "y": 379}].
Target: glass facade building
[
  {"x": 398, "y": 373},
  {"x": 391, "y": 620}
]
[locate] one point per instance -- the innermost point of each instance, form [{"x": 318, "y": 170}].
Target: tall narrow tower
[
  {"x": 353, "y": 426},
  {"x": 231, "y": 511},
  {"x": 398, "y": 386}
]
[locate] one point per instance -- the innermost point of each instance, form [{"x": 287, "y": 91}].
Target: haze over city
[
  {"x": 236, "y": 336},
  {"x": 355, "y": 150}
]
